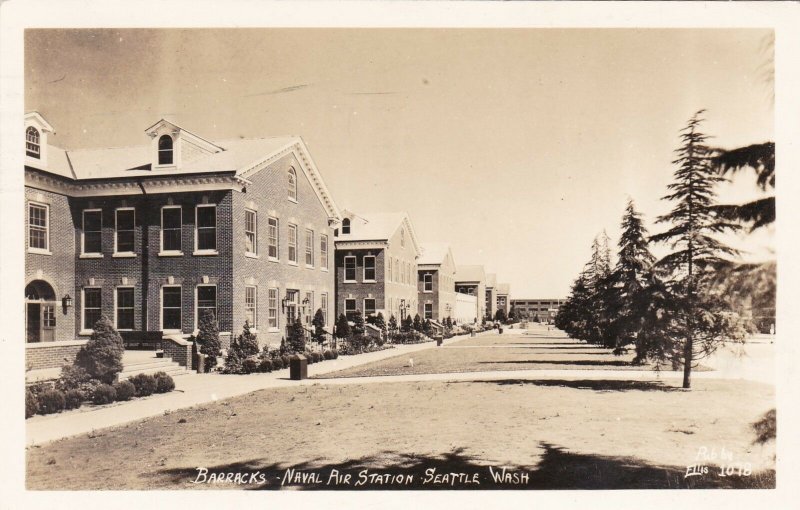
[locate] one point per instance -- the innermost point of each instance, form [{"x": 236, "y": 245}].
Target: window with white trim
[
  {"x": 124, "y": 234},
  {"x": 124, "y": 311},
  {"x": 349, "y": 268},
  {"x": 250, "y": 231},
  {"x": 427, "y": 282},
  {"x": 293, "y": 243},
  {"x": 323, "y": 305},
  {"x": 309, "y": 308},
  {"x": 171, "y": 307},
  {"x": 272, "y": 238},
  {"x": 92, "y": 231},
  {"x": 32, "y": 142},
  {"x": 350, "y": 308},
  {"x": 38, "y": 226},
  {"x": 292, "y": 183},
  {"x": 369, "y": 307},
  {"x": 206, "y": 300},
  {"x": 346, "y": 226},
  {"x": 309, "y": 248},
  {"x": 323, "y": 251},
  {"x": 165, "y": 150},
  {"x": 272, "y": 308},
  {"x": 428, "y": 311},
  {"x": 369, "y": 268},
  {"x": 206, "y": 227},
  {"x": 250, "y": 305},
  {"x": 92, "y": 306},
  {"x": 171, "y": 221}
]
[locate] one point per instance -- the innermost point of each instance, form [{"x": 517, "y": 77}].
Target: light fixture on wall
[{"x": 66, "y": 302}]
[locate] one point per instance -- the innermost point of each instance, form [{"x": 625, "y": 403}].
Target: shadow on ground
[
  {"x": 558, "y": 468},
  {"x": 582, "y": 362},
  {"x": 589, "y": 384}
]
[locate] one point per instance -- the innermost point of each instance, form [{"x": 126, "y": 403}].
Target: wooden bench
[{"x": 145, "y": 340}]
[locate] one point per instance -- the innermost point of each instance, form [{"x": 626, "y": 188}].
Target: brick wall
[
  {"x": 361, "y": 290},
  {"x": 51, "y": 354}
]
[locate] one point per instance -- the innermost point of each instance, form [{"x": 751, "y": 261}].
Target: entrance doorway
[{"x": 40, "y": 312}]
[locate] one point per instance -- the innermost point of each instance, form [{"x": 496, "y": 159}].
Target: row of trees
[{"x": 677, "y": 309}]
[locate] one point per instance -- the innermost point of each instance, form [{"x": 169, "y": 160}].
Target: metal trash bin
[
  {"x": 298, "y": 367},
  {"x": 439, "y": 340},
  {"x": 500, "y": 331}
]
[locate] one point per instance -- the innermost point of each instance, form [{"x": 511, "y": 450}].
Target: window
[
  {"x": 125, "y": 230},
  {"x": 124, "y": 317},
  {"x": 92, "y": 304},
  {"x": 427, "y": 282},
  {"x": 350, "y": 308},
  {"x": 206, "y": 300},
  {"x": 309, "y": 248},
  {"x": 165, "y": 150},
  {"x": 171, "y": 308},
  {"x": 38, "y": 226},
  {"x": 272, "y": 309},
  {"x": 250, "y": 299},
  {"x": 48, "y": 315},
  {"x": 346, "y": 226},
  {"x": 323, "y": 251},
  {"x": 206, "y": 229},
  {"x": 92, "y": 230},
  {"x": 32, "y": 147},
  {"x": 171, "y": 219},
  {"x": 250, "y": 232},
  {"x": 272, "y": 238},
  {"x": 349, "y": 269},
  {"x": 292, "y": 181},
  {"x": 389, "y": 272},
  {"x": 428, "y": 311},
  {"x": 293, "y": 244},
  {"x": 323, "y": 305},
  {"x": 369, "y": 307},
  {"x": 309, "y": 308},
  {"x": 369, "y": 268}
]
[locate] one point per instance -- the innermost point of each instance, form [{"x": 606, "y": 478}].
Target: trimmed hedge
[
  {"x": 265, "y": 366},
  {"x": 145, "y": 384},
  {"x": 104, "y": 394},
  {"x": 51, "y": 401},
  {"x": 285, "y": 359},
  {"x": 164, "y": 382},
  {"x": 277, "y": 363},
  {"x": 73, "y": 399},
  {"x": 125, "y": 390},
  {"x": 328, "y": 354},
  {"x": 249, "y": 365}
]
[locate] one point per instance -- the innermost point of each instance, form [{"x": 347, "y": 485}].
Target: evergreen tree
[
  {"x": 101, "y": 357},
  {"x": 358, "y": 324},
  {"x": 248, "y": 343},
  {"x": 208, "y": 338},
  {"x": 500, "y": 315},
  {"x": 297, "y": 337},
  {"x": 427, "y": 327},
  {"x": 392, "y": 325},
  {"x": 319, "y": 326},
  {"x": 380, "y": 323},
  {"x": 692, "y": 321},
  {"x": 448, "y": 322},
  {"x": 342, "y": 327},
  {"x": 407, "y": 324},
  {"x": 417, "y": 323}
]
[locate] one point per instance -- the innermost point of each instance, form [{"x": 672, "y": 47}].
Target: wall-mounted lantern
[{"x": 66, "y": 302}]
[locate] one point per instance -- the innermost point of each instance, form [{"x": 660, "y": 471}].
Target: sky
[{"x": 516, "y": 146}]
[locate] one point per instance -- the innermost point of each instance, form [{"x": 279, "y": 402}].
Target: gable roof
[
  {"x": 472, "y": 273},
  {"x": 433, "y": 253},
  {"x": 503, "y": 288},
  {"x": 377, "y": 226},
  {"x": 491, "y": 280}
]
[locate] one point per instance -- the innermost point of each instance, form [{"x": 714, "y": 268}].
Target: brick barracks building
[
  {"x": 436, "y": 283},
  {"x": 153, "y": 235}
]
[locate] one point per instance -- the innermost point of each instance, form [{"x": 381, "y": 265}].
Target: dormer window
[
  {"x": 165, "y": 150},
  {"x": 292, "y": 182},
  {"x": 346, "y": 226},
  {"x": 32, "y": 147}
]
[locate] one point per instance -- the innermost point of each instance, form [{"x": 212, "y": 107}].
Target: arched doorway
[{"x": 40, "y": 312}]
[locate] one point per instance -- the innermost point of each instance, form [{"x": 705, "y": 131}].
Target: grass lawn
[
  {"x": 558, "y": 434},
  {"x": 537, "y": 350}
]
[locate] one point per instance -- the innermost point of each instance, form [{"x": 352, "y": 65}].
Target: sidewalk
[{"x": 191, "y": 390}]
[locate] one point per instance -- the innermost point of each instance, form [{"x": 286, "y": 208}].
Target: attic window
[
  {"x": 346, "y": 226},
  {"x": 32, "y": 147},
  {"x": 165, "y": 150},
  {"x": 292, "y": 177}
]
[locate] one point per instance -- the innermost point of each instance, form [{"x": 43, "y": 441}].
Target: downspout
[{"x": 145, "y": 257}]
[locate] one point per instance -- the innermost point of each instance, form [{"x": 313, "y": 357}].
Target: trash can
[
  {"x": 471, "y": 333},
  {"x": 500, "y": 331},
  {"x": 298, "y": 367},
  {"x": 439, "y": 340}
]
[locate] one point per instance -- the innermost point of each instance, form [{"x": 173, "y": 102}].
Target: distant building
[
  {"x": 471, "y": 280},
  {"x": 491, "y": 295},
  {"x": 436, "y": 283},
  {"x": 544, "y": 309},
  {"x": 376, "y": 265},
  {"x": 503, "y": 291}
]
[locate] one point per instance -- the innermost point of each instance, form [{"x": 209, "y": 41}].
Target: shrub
[
  {"x": 73, "y": 399},
  {"x": 104, "y": 394},
  {"x": 248, "y": 342},
  {"x": 328, "y": 354},
  {"x": 297, "y": 337},
  {"x": 277, "y": 363},
  {"x": 125, "y": 390},
  {"x": 145, "y": 384},
  {"x": 51, "y": 401},
  {"x": 250, "y": 365},
  {"x": 31, "y": 403},
  {"x": 335, "y": 353},
  {"x": 310, "y": 358},
  {"x": 72, "y": 378},
  {"x": 318, "y": 357},
  {"x": 233, "y": 360},
  {"x": 208, "y": 338},
  {"x": 88, "y": 388},
  {"x": 265, "y": 366},
  {"x": 285, "y": 359},
  {"x": 164, "y": 382},
  {"x": 101, "y": 357}
]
